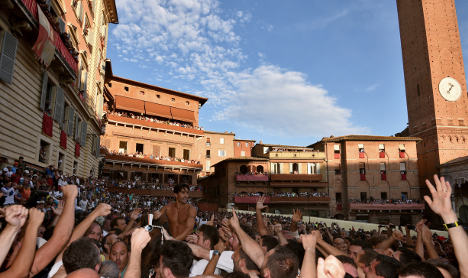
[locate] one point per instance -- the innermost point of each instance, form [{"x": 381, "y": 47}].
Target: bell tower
[{"x": 436, "y": 92}]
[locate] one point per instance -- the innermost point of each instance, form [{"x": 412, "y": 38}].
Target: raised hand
[
  {"x": 260, "y": 203},
  {"x": 16, "y": 215},
  {"x": 193, "y": 238},
  {"x": 157, "y": 214},
  {"x": 36, "y": 217},
  {"x": 211, "y": 222},
  {"x": 59, "y": 209},
  {"x": 135, "y": 214},
  {"x": 398, "y": 235},
  {"x": 309, "y": 241},
  {"x": 297, "y": 215},
  {"x": 234, "y": 221},
  {"x": 103, "y": 209},
  {"x": 440, "y": 202},
  {"x": 140, "y": 238},
  {"x": 69, "y": 192},
  {"x": 331, "y": 267}
]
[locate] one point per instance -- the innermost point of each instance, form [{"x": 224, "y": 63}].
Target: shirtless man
[{"x": 181, "y": 216}]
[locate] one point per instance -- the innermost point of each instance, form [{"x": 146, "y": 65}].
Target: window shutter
[
  {"x": 280, "y": 167},
  {"x": 84, "y": 129},
  {"x": 299, "y": 168},
  {"x": 58, "y": 110},
  {"x": 71, "y": 114},
  {"x": 77, "y": 128},
  {"x": 45, "y": 80},
  {"x": 98, "y": 145},
  {"x": 7, "y": 56},
  {"x": 318, "y": 165},
  {"x": 290, "y": 167},
  {"x": 85, "y": 83},
  {"x": 336, "y": 147}
]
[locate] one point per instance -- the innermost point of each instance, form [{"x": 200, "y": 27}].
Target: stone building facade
[
  {"x": 51, "y": 79},
  {"x": 365, "y": 171}
]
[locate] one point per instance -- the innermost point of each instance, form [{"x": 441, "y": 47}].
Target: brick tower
[{"x": 436, "y": 92}]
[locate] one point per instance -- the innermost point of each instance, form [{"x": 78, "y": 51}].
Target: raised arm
[
  {"x": 440, "y": 203},
  {"x": 328, "y": 248},
  {"x": 101, "y": 210},
  {"x": 249, "y": 245},
  {"x": 261, "y": 228},
  {"x": 308, "y": 269},
  {"x": 140, "y": 238},
  {"x": 61, "y": 234},
  {"x": 387, "y": 243},
  {"x": 188, "y": 225},
  {"x": 296, "y": 218},
  {"x": 15, "y": 217},
  {"x": 22, "y": 263}
]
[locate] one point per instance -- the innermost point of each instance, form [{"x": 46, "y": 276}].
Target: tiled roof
[{"x": 368, "y": 138}]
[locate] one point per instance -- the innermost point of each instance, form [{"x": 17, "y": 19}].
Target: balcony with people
[
  {"x": 283, "y": 197},
  {"x": 140, "y": 158},
  {"x": 251, "y": 173},
  {"x": 141, "y": 119},
  {"x": 386, "y": 205}
]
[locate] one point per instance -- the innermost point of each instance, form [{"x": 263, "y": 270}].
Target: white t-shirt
[
  {"x": 9, "y": 195},
  {"x": 225, "y": 263}
]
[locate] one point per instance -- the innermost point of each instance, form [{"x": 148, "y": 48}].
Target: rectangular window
[
  {"x": 336, "y": 150},
  {"x": 246, "y": 144},
  {"x": 404, "y": 196},
  {"x": 208, "y": 142},
  {"x": 123, "y": 147},
  {"x": 338, "y": 197},
  {"x": 242, "y": 153},
  {"x": 186, "y": 154},
  {"x": 221, "y": 140},
  {"x": 383, "y": 195},
  {"x": 361, "y": 150},
  {"x": 221, "y": 153},
  {"x": 362, "y": 171},
  {"x": 44, "y": 150},
  {"x": 338, "y": 170},
  {"x": 238, "y": 144},
  {"x": 208, "y": 166},
  {"x": 381, "y": 151},
  {"x": 403, "y": 170},
  {"x": 402, "y": 150},
  {"x": 208, "y": 153},
  {"x": 139, "y": 148},
  {"x": 383, "y": 171},
  {"x": 75, "y": 167},
  {"x": 60, "y": 161},
  {"x": 172, "y": 152},
  {"x": 363, "y": 196}
]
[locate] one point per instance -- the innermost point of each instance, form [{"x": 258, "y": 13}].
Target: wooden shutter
[
  {"x": 7, "y": 56},
  {"x": 84, "y": 129},
  {"x": 97, "y": 151},
  {"x": 59, "y": 103},
  {"x": 71, "y": 114},
  {"x": 77, "y": 128},
  {"x": 45, "y": 80}
]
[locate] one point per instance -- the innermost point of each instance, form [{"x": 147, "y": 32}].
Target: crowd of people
[
  {"x": 58, "y": 226},
  {"x": 148, "y": 118},
  {"x": 155, "y": 157},
  {"x": 283, "y": 194},
  {"x": 388, "y": 201}
]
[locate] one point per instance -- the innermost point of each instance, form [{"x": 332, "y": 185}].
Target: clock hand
[{"x": 451, "y": 86}]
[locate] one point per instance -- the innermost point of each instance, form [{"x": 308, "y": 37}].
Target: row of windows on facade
[
  {"x": 221, "y": 142},
  {"x": 401, "y": 151},
  {"x": 295, "y": 168},
  {"x": 53, "y": 103},
  {"x": 45, "y": 155},
  {"x": 139, "y": 149},
  {"x": 363, "y": 196},
  {"x": 127, "y": 89},
  {"x": 383, "y": 171}
]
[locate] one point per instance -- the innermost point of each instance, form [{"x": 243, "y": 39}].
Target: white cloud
[
  {"x": 193, "y": 41},
  {"x": 283, "y": 102},
  {"x": 372, "y": 87}
]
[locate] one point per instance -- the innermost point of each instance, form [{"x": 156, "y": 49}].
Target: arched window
[
  {"x": 260, "y": 169},
  {"x": 295, "y": 168},
  {"x": 243, "y": 169}
]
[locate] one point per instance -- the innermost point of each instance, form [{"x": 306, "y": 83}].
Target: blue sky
[{"x": 284, "y": 72}]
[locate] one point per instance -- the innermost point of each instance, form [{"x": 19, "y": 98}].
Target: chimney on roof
[{"x": 261, "y": 142}]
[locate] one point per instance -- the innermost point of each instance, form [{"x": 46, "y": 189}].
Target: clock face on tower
[{"x": 450, "y": 89}]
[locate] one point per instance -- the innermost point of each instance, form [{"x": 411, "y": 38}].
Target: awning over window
[
  {"x": 159, "y": 110},
  {"x": 129, "y": 104},
  {"x": 183, "y": 115}
]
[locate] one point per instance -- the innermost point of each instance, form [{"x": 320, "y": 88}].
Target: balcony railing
[
  {"x": 112, "y": 117},
  {"x": 247, "y": 177},
  {"x": 152, "y": 192},
  {"x": 359, "y": 206},
  {"x": 162, "y": 162},
  {"x": 296, "y": 177},
  {"x": 280, "y": 200},
  {"x": 31, "y": 5}
]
